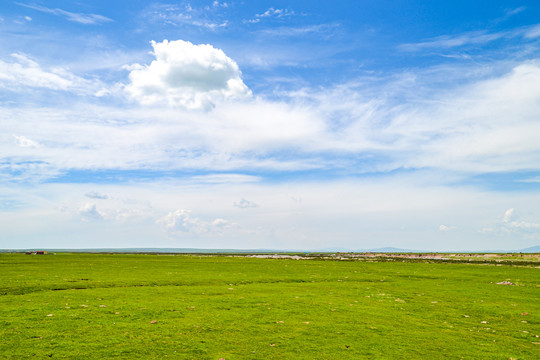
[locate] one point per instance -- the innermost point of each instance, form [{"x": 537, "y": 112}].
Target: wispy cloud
[
  {"x": 472, "y": 38},
  {"x": 532, "y": 32},
  {"x": 81, "y": 18},
  {"x": 300, "y": 31},
  {"x": 515, "y": 11},
  {"x": 449, "y": 41},
  {"x": 532, "y": 180},
  {"x": 208, "y": 17},
  {"x": 24, "y": 73},
  {"x": 367, "y": 125},
  {"x": 271, "y": 13}
]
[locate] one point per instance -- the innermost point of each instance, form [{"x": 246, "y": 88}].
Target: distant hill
[
  {"x": 383, "y": 249},
  {"x": 155, "y": 250},
  {"x": 532, "y": 249},
  {"x": 393, "y": 249}
]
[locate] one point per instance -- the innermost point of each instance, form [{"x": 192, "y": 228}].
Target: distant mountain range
[{"x": 533, "y": 249}]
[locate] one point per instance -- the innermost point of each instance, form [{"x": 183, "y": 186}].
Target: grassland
[{"x": 95, "y": 306}]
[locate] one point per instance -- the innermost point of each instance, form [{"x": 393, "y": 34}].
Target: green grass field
[{"x": 96, "y": 306}]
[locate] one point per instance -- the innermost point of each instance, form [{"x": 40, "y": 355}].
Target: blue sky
[{"x": 270, "y": 124}]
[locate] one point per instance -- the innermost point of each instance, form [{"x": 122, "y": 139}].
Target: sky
[{"x": 270, "y": 124}]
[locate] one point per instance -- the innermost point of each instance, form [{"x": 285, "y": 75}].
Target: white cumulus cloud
[
  {"x": 243, "y": 204},
  {"x": 186, "y": 75},
  {"x": 182, "y": 221},
  {"x": 508, "y": 215},
  {"x": 513, "y": 223},
  {"x": 90, "y": 212},
  {"x": 96, "y": 195},
  {"x": 446, "y": 228},
  {"x": 25, "y": 142}
]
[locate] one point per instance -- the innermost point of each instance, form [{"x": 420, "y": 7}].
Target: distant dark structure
[{"x": 37, "y": 252}]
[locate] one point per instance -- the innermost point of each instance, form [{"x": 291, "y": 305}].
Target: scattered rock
[
  {"x": 505, "y": 283},
  {"x": 50, "y": 315},
  {"x": 153, "y": 321}
]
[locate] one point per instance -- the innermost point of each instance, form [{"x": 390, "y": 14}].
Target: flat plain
[{"x": 128, "y": 306}]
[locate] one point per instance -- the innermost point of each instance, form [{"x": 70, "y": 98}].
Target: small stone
[
  {"x": 506, "y": 283},
  {"x": 50, "y": 315},
  {"x": 153, "y": 321},
  {"x": 102, "y": 305}
]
